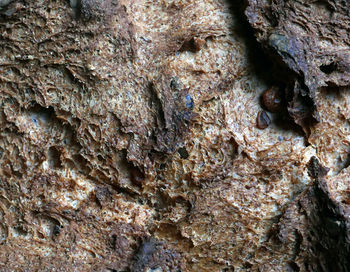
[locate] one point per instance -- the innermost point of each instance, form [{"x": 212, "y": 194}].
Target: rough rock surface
[
  {"x": 129, "y": 138},
  {"x": 312, "y": 39}
]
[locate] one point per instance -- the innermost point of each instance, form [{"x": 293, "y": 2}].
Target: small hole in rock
[
  {"x": 136, "y": 176},
  {"x": 247, "y": 265},
  {"x": 328, "y": 68},
  {"x": 193, "y": 45},
  {"x": 20, "y": 231},
  {"x": 81, "y": 163},
  {"x": 56, "y": 230},
  {"x": 183, "y": 153},
  {"x": 54, "y": 157},
  {"x": 293, "y": 266}
]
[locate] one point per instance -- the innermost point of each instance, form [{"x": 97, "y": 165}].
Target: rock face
[
  {"x": 312, "y": 40},
  {"x": 131, "y": 136},
  {"x": 316, "y": 224},
  {"x": 310, "y": 37}
]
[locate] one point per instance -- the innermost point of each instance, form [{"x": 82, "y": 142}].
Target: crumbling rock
[
  {"x": 311, "y": 39},
  {"x": 129, "y": 142},
  {"x": 154, "y": 255},
  {"x": 317, "y": 225}
]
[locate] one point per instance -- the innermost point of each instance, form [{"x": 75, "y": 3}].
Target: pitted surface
[{"x": 129, "y": 140}]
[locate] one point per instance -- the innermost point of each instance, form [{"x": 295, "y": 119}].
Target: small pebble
[
  {"x": 35, "y": 121},
  {"x": 262, "y": 120},
  {"x": 189, "y": 102},
  {"x": 272, "y": 99}
]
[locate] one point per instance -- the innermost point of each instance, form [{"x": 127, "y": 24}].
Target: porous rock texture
[{"x": 128, "y": 136}]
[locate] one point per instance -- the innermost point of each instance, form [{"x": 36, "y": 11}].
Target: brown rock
[
  {"x": 129, "y": 139},
  {"x": 262, "y": 120},
  {"x": 272, "y": 99}
]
